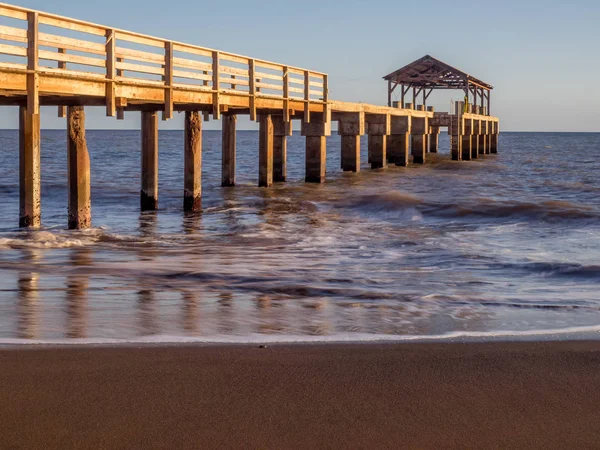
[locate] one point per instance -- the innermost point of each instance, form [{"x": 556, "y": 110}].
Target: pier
[{"x": 49, "y": 60}]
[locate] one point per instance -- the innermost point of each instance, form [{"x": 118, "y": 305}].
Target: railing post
[
  {"x": 168, "y": 112},
  {"x": 306, "y": 96},
  {"x": 252, "y": 88},
  {"x": 120, "y": 112},
  {"x": 326, "y": 112},
  {"x": 216, "y": 70},
  {"x": 62, "y": 110},
  {"x": 33, "y": 99},
  {"x": 111, "y": 106},
  {"x": 286, "y": 94}
]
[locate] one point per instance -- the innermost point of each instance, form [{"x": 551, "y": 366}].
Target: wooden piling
[
  {"x": 434, "y": 140},
  {"x": 78, "y": 168},
  {"x": 192, "y": 182},
  {"x": 228, "y": 150},
  {"x": 149, "y": 175},
  {"x": 29, "y": 169},
  {"x": 265, "y": 154},
  {"x": 467, "y": 140}
]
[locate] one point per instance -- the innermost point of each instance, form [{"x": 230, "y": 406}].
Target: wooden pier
[{"x": 51, "y": 60}]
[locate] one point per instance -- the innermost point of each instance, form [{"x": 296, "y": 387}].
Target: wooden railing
[{"x": 58, "y": 46}]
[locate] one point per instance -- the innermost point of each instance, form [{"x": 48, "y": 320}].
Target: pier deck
[{"x": 52, "y": 60}]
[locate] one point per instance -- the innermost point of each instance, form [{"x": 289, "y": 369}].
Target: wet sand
[{"x": 441, "y": 395}]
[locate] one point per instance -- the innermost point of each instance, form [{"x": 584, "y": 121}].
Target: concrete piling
[
  {"x": 351, "y": 126},
  {"x": 281, "y": 130}
]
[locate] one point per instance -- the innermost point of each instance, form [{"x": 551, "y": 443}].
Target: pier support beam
[
  {"x": 30, "y": 209},
  {"x": 281, "y": 130},
  {"x": 467, "y": 140},
  {"x": 265, "y": 152},
  {"x": 78, "y": 168},
  {"x": 351, "y": 126},
  {"x": 228, "y": 150},
  {"x": 419, "y": 139},
  {"x": 494, "y": 140},
  {"x": 149, "y": 192},
  {"x": 192, "y": 189},
  {"x": 434, "y": 139},
  {"x": 316, "y": 133},
  {"x": 378, "y": 128},
  {"x": 398, "y": 144},
  {"x": 483, "y": 150}
]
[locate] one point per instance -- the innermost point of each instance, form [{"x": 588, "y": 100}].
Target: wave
[
  {"x": 556, "y": 269},
  {"x": 588, "y": 332},
  {"x": 395, "y": 201}
]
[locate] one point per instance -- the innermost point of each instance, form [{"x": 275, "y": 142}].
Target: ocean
[{"x": 504, "y": 246}]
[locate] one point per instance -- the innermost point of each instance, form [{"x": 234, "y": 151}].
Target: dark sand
[{"x": 494, "y": 395}]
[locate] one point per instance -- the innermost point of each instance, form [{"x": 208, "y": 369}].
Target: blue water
[{"x": 505, "y": 245}]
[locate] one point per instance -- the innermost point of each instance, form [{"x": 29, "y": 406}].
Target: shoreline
[{"x": 369, "y": 395}]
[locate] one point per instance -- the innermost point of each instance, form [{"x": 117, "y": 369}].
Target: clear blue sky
[{"x": 541, "y": 56}]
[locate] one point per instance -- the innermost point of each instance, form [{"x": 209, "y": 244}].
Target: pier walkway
[{"x": 51, "y": 60}]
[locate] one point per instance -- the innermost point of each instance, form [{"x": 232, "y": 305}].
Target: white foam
[{"x": 587, "y": 331}]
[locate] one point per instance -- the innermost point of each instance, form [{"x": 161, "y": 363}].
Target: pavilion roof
[{"x": 429, "y": 72}]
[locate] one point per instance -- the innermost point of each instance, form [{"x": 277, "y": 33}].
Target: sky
[{"x": 541, "y": 56}]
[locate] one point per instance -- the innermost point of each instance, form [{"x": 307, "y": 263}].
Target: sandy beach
[{"x": 440, "y": 395}]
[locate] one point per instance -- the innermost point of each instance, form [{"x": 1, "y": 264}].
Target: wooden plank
[
  {"x": 296, "y": 90},
  {"x": 11, "y": 32},
  {"x": 268, "y": 65},
  {"x": 138, "y": 55},
  {"x": 319, "y": 93},
  {"x": 76, "y": 59},
  {"x": 50, "y": 40},
  {"x": 75, "y": 74},
  {"x": 168, "y": 113},
  {"x": 140, "y": 68},
  {"x": 252, "y": 89},
  {"x": 7, "y": 49},
  {"x": 33, "y": 98},
  {"x": 315, "y": 84},
  {"x": 234, "y": 71},
  {"x": 6, "y": 11},
  {"x": 111, "y": 73},
  {"x": 234, "y": 58},
  {"x": 191, "y": 75},
  {"x": 215, "y": 73},
  {"x": 235, "y": 81},
  {"x": 193, "y": 50},
  {"x": 276, "y": 87},
  {"x": 139, "y": 39},
  {"x": 70, "y": 25},
  {"x": 6, "y": 65},
  {"x": 191, "y": 64},
  {"x": 269, "y": 76}
]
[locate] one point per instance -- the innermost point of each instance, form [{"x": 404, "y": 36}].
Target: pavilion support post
[
  {"x": 378, "y": 127},
  {"x": 419, "y": 139},
  {"x": 149, "y": 191},
  {"x": 265, "y": 152},
  {"x": 78, "y": 169},
  {"x": 351, "y": 126},
  {"x": 398, "y": 142},
  {"x": 228, "y": 149},
  {"x": 192, "y": 161},
  {"x": 281, "y": 130},
  {"x": 467, "y": 140},
  {"x": 30, "y": 209},
  {"x": 316, "y": 134}
]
